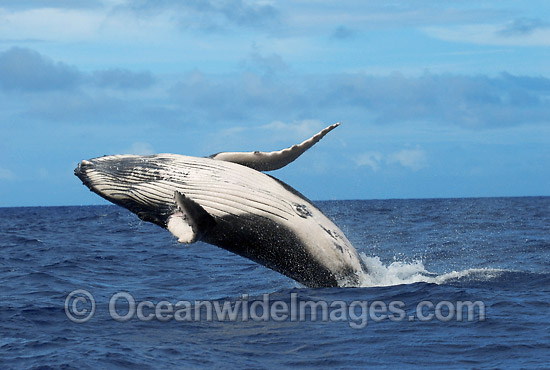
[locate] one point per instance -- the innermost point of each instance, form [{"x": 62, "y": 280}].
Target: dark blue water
[{"x": 494, "y": 251}]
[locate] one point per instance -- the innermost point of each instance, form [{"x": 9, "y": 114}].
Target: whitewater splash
[{"x": 398, "y": 273}]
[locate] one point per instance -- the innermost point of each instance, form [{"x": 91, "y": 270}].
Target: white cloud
[
  {"x": 304, "y": 127},
  {"x": 370, "y": 159},
  {"x": 276, "y": 131},
  {"x": 414, "y": 159},
  {"x": 61, "y": 4},
  {"x": 50, "y": 24},
  {"x": 490, "y": 34},
  {"x": 98, "y": 24},
  {"x": 275, "y": 135},
  {"x": 7, "y": 175}
]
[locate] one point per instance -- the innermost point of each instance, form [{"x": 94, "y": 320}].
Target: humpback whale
[{"x": 228, "y": 201}]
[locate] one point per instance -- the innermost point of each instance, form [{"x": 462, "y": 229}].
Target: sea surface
[{"x": 425, "y": 259}]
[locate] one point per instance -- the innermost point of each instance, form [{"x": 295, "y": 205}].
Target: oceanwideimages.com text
[{"x": 80, "y": 307}]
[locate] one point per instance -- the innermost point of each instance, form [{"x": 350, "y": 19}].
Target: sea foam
[{"x": 399, "y": 272}]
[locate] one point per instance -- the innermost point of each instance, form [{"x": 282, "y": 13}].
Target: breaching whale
[{"x": 226, "y": 200}]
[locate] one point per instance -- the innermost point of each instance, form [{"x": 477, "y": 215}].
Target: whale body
[{"x": 225, "y": 200}]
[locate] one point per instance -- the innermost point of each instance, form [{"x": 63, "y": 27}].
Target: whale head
[{"x": 122, "y": 180}]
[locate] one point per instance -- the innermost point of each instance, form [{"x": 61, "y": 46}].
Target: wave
[{"x": 398, "y": 273}]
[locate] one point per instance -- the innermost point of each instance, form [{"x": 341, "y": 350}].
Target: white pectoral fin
[
  {"x": 180, "y": 227},
  {"x": 269, "y": 161},
  {"x": 190, "y": 221}
]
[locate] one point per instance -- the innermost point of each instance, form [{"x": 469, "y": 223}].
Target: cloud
[
  {"x": 237, "y": 97},
  {"x": 65, "y": 4},
  {"x": 35, "y": 88},
  {"x": 342, "y": 32},
  {"x": 370, "y": 159},
  {"x": 7, "y": 175},
  {"x": 522, "y": 27},
  {"x": 210, "y": 15},
  {"x": 474, "y": 102},
  {"x": 264, "y": 64},
  {"x": 414, "y": 159},
  {"x": 278, "y": 130},
  {"x": 351, "y": 17},
  {"x": 26, "y": 70},
  {"x": 56, "y": 24},
  {"x": 517, "y": 33},
  {"x": 255, "y": 97},
  {"x": 304, "y": 128},
  {"x": 248, "y": 13},
  {"x": 79, "y": 107},
  {"x": 123, "y": 79},
  {"x": 468, "y": 101}
]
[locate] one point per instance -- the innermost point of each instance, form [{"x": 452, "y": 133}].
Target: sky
[{"x": 437, "y": 99}]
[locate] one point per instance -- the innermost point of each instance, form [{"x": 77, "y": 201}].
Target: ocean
[{"x": 452, "y": 283}]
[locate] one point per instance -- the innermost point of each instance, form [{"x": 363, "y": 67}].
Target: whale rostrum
[{"x": 225, "y": 200}]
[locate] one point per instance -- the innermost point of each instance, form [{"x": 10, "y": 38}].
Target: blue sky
[{"x": 437, "y": 98}]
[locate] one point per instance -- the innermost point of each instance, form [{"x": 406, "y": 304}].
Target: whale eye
[{"x": 302, "y": 210}]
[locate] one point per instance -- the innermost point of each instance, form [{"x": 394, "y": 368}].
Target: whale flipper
[
  {"x": 269, "y": 161},
  {"x": 190, "y": 221}
]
